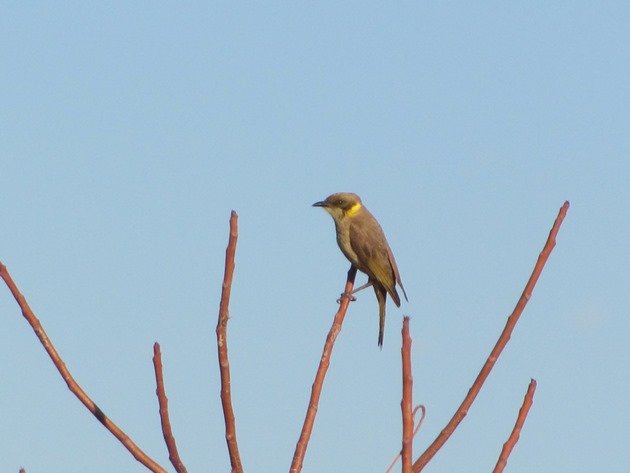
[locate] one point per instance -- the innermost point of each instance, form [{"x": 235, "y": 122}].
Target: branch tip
[
  {"x": 165, "y": 422},
  {"x": 222, "y": 347},
  {"x": 509, "y": 444},
  {"x": 461, "y": 412}
]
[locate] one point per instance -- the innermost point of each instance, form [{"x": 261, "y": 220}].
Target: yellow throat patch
[{"x": 352, "y": 211}]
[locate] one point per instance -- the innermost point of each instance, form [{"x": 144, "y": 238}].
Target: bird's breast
[{"x": 343, "y": 240}]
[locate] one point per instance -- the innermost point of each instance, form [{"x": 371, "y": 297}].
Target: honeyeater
[{"x": 362, "y": 241}]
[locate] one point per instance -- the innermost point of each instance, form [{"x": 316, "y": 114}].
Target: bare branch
[
  {"x": 311, "y": 412},
  {"x": 173, "y": 454},
  {"x": 222, "y": 348},
  {"x": 30, "y": 317},
  {"x": 498, "y": 348},
  {"x": 516, "y": 431},
  {"x": 407, "y": 399}
]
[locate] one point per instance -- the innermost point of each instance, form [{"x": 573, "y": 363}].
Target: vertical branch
[
  {"x": 324, "y": 362},
  {"x": 516, "y": 431},
  {"x": 407, "y": 399},
  {"x": 73, "y": 386},
  {"x": 498, "y": 348},
  {"x": 224, "y": 363},
  {"x": 171, "y": 446}
]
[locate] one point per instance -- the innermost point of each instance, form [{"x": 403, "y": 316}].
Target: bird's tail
[{"x": 381, "y": 296}]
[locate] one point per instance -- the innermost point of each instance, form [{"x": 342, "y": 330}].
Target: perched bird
[{"x": 362, "y": 241}]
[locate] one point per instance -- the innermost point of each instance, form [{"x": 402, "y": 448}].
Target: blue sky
[{"x": 129, "y": 131}]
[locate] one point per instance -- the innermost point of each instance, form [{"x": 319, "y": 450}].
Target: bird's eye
[{"x": 340, "y": 202}]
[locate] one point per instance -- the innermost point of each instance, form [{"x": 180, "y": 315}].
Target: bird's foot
[{"x": 348, "y": 295}]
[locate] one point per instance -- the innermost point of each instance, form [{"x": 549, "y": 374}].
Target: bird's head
[{"x": 341, "y": 205}]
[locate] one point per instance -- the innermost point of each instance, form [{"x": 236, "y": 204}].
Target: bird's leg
[
  {"x": 367, "y": 284},
  {"x": 350, "y": 296}
]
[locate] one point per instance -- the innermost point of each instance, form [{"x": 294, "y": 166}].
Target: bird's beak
[{"x": 321, "y": 203}]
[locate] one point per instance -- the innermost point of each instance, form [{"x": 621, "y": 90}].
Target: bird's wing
[
  {"x": 392, "y": 260},
  {"x": 374, "y": 255}
]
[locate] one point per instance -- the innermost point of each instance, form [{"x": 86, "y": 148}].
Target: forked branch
[
  {"x": 498, "y": 348},
  {"x": 74, "y": 387}
]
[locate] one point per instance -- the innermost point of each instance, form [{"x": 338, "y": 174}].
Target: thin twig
[
  {"x": 498, "y": 348},
  {"x": 418, "y": 424},
  {"x": 171, "y": 445},
  {"x": 324, "y": 362},
  {"x": 516, "y": 431},
  {"x": 407, "y": 399},
  {"x": 74, "y": 387},
  {"x": 222, "y": 348}
]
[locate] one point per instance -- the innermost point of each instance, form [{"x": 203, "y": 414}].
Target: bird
[{"x": 362, "y": 241}]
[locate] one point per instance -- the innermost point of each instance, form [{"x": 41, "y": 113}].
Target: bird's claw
[{"x": 349, "y": 296}]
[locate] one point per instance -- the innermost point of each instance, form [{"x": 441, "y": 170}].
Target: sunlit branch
[
  {"x": 222, "y": 348},
  {"x": 516, "y": 431},
  {"x": 311, "y": 412},
  {"x": 171, "y": 445},
  {"x": 498, "y": 348},
  {"x": 73, "y": 386}
]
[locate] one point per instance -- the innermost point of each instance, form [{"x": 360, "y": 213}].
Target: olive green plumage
[{"x": 362, "y": 241}]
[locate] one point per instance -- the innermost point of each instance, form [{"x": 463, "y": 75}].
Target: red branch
[
  {"x": 407, "y": 399},
  {"x": 516, "y": 431},
  {"x": 224, "y": 363},
  {"x": 173, "y": 454},
  {"x": 324, "y": 362},
  {"x": 30, "y": 317},
  {"x": 498, "y": 348}
]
